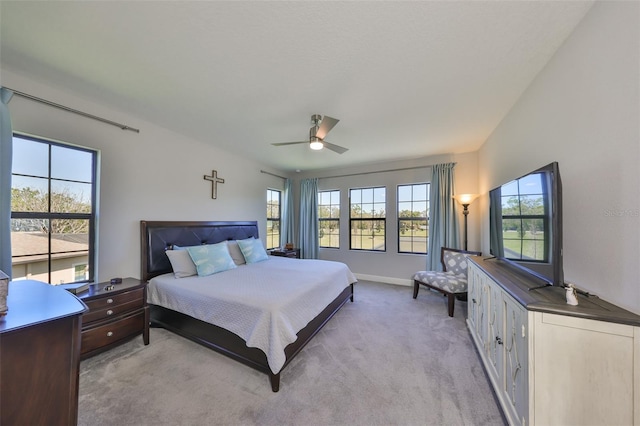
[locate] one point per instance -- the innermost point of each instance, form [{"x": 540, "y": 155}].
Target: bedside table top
[{"x": 106, "y": 288}]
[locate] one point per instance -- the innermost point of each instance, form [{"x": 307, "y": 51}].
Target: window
[
  {"x": 413, "y": 218},
  {"x": 273, "y": 218},
  {"x": 367, "y": 218},
  {"x": 53, "y": 199},
  {"x": 329, "y": 219}
]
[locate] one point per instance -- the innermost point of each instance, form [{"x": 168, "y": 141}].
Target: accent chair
[{"x": 452, "y": 281}]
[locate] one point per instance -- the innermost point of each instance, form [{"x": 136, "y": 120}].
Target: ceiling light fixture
[{"x": 316, "y": 144}]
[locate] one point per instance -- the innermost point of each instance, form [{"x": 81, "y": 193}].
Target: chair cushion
[
  {"x": 455, "y": 262},
  {"x": 447, "y": 281}
]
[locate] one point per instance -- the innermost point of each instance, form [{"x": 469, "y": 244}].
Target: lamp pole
[{"x": 465, "y": 212}]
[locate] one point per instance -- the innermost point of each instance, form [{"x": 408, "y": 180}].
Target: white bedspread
[{"x": 265, "y": 303}]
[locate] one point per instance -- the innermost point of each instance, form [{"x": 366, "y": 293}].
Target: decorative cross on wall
[{"x": 214, "y": 183}]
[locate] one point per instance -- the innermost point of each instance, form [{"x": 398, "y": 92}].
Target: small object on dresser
[
  {"x": 4, "y": 292},
  {"x": 116, "y": 281},
  {"x": 288, "y": 246},
  {"x": 75, "y": 288},
  {"x": 572, "y": 297}
]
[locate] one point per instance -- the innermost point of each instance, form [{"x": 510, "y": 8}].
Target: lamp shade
[{"x": 465, "y": 198}]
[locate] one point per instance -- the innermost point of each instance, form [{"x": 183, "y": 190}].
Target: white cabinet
[{"x": 551, "y": 364}]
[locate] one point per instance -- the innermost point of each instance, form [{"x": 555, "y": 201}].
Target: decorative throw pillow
[
  {"x": 211, "y": 258},
  {"x": 236, "y": 253},
  {"x": 181, "y": 263},
  {"x": 253, "y": 250}
]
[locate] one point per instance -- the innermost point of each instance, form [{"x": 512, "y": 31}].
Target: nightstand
[
  {"x": 293, "y": 253},
  {"x": 117, "y": 312}
]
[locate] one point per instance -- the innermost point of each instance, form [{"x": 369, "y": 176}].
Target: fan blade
[
  {"x": 288, "y": 143},
  {"x": 325, "y": 126},
  {"x": 335, "y": 148}
]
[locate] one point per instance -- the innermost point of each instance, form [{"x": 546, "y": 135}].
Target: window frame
[
  {"x": 51, "y": 215},
  {"x": 269, "y": 236},
  {"x": 412, "y": 219},
  {"x": 353, "y": 220},
  {"x": 335, "y": 220}
]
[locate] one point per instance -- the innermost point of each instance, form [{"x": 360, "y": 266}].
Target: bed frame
[{"x": 158, "y": 236}]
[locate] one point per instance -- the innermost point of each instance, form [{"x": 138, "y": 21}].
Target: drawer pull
[
  {"x": 109, "y": 333},
  {"x": 109, "y": 300},
  {"x": 109, "y": 312}
]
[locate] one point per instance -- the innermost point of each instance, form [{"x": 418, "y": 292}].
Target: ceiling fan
[{"x": 320, "y": 126}]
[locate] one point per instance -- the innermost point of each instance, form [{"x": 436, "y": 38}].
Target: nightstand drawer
[
  {"x": 112, "y": 306},
  {"x": 105, "y": 335}
]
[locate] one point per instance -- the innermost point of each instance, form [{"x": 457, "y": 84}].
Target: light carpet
[{"x": 385, "y": 359}]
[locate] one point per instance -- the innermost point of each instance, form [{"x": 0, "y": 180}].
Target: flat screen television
[{"x": 525, "y": 223}]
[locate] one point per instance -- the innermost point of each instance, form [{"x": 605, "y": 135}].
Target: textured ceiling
[{"x": 406, "y": 79}]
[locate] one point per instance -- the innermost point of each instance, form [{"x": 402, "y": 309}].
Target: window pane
[
  {"x": 404, "y": 193},
  {"x": 69, "y": 246},
  {"x": 70, "y": 197},
  {"x": 71, "y": 164},
  {"x": 30, "y": 158},
  {"x": 29, "y": 194},
  {"x": 29, "y": 249}
]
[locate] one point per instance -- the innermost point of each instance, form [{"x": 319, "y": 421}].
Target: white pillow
[
  {"x": 181, "y": 263},
  {"x": 236, "y": 253}
]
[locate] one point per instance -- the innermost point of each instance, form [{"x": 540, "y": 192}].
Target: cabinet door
[
  {"x": 472, "y": 298},
  {"x": 584, "y": 371},
  {"x": 495, "y": 331},
  {"x": 516, "y": 358}
]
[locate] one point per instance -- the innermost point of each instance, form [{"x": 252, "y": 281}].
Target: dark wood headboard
[{"x": 158, "y": 236}]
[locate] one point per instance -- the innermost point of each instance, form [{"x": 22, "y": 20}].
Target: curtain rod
[
  {"x": 376, "y": 171},
  {"x": 74, "y": 111},
  {"x": 268, "y": 173}
]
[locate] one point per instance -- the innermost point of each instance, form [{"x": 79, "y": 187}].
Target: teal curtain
[
  {"x": 443, "y": 221},
  {"x": 6, "y": 156},
  {"x": 286, "y": 227},
  {"x": 308, "y": 219}
]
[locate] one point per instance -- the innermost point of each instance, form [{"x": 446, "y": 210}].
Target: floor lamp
[{"x": 465, "y": 200}]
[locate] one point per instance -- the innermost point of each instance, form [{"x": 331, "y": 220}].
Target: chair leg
[
  {"x": 451, "y": 298},
  {"x": 416, "y": 286}
]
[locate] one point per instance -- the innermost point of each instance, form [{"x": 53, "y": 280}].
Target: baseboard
[{"x": 387, "y": 280}]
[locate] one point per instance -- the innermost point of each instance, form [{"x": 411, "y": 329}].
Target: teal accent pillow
[
  {"x": 253, "y": 250},
  {"x": 211, "y": 258}
]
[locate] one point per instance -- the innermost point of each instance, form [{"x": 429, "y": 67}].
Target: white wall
[
  {"x": 389, "y": 266},
  {"x": 153, "y": 175},
  {"x": 583, "y": 111}
]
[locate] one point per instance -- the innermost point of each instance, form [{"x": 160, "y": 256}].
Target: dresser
[
  {"x": 117, "y": 313},
  {"x": 39, "y": 355},
  {"x": 551, "y": 363}
]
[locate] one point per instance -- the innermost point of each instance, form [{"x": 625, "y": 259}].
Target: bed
[{"x": 260, "y": 314}]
